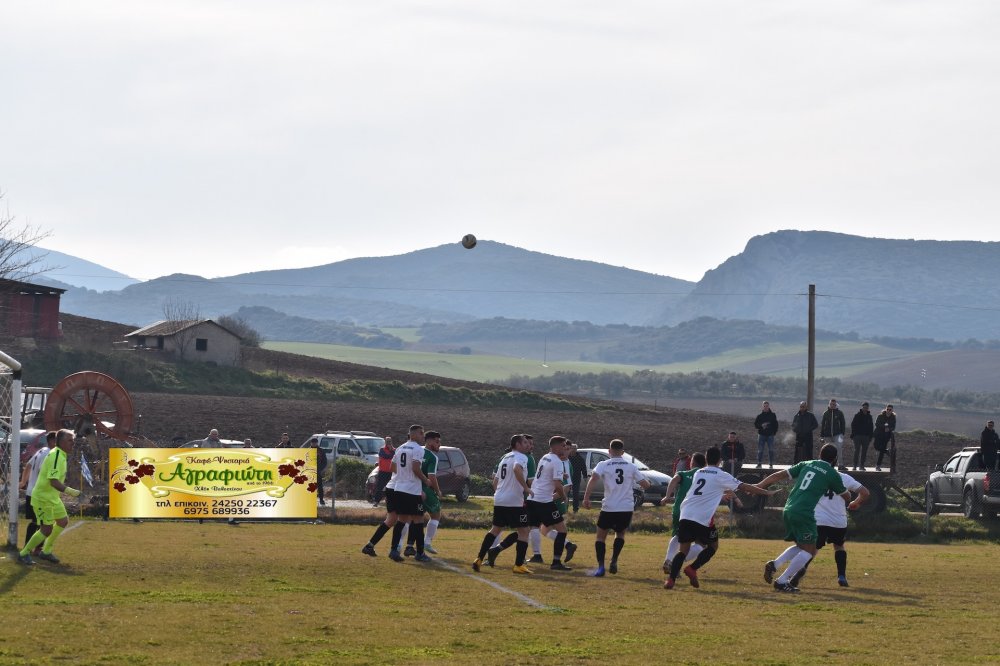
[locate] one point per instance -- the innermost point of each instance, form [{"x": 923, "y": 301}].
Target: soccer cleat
[
  {"x": 48, "y": 557},
  {"x": 842, "y": 581},
  {"x": 491, "y": 556},
  {"x": 422, "y": 557},
  {"x": 785, "y": 587},
  {"x": 613, "y": 569},
  {"x": 878, "y": 468},
  {"x": 570, "y": 551},
  {"x": 559, "y": 566},
  {"x": 369, "y": 550},
  {"x": 797, "y": 578},
  {"x": 769, "y": 570},
  {"x": 669, "y": 584},
  {"x": 395, "y": 556},
  {"x": 429, "y": 549},
  {"x": 478, "y": 562},
  {"x": 692, "y": 575},
  {"x": 599, "y": 572},
  {"x": 522, "y": 570},
  {"x": 25, "y": 559},
  {"x": 536, "y": 559},
  {"x": 409, "y": 551}
]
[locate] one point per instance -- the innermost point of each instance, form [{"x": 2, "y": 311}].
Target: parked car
[
  {"x": 452, "y": 475},
  {"x": 964, "y": 482},
  {"x": 32, "y": 439},
  {"x": 658, "y": 481},
  {"x": 356, "y": 443}
]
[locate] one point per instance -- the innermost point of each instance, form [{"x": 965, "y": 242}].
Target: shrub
[
  {"x": 480, "y": 485},
  {"x": 351, "y": 476}
]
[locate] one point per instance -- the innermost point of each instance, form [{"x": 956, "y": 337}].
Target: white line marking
[
  {"x": 73, "y": 527},
  {"x": 497, "y": 586}
]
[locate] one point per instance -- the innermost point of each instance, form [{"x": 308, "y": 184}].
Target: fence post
[{"x": 927, "y": 506}]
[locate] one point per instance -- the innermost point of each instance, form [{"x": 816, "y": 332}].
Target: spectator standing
[
  {"x": 862, "y": 428},
  {"x": 320, "y": 468},
  {"x": 833, "y": 427},
  {"x": 385, "y": 455},
  {"x": 284, "y": 442},
  {"x": 803, "y": 425},
  {"x": 577, "y": 465},
  {"x": 766, "y": 424},
  {"x": 733, "y": 454},
  {"x": 989, "y": 444},
  {"x": 885, "y": 429},
  {"x": 212, "y": 441},
  {"x": 682, "y": 462}
]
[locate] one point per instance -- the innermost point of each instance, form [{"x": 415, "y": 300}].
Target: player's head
[
  {"x": 518, "y": 443},
  {"x": 432, "y": 440},
  {"x": 713, "y": 456},
  {"x": 616, "y": 447},
  {"x": 765, "y": 406},
  {"x": 530, "y": 441},
  {"x": 416, "y": 433},
  {"x": 698, "y": 460},
  {"x": 50, "y": 438},
  {"x": 557, "y": 443},
  {"x": 731, "y": 436},
  {"x": 803, "y": 406},
  {"x": 65, "y": 439},
  {"x": 828, "y": 453}
]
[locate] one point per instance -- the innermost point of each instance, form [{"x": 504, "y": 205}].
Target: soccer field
[{"x": 184, "y": 593}]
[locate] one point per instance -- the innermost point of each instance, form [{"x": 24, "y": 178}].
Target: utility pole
[{"x": 811, "y": 381}]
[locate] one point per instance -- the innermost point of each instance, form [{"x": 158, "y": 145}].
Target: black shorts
[
  {"x": 689, "y": 531},
  {"x": 826, "y": 534},
  {"x": 390, "y": 500},
  {"x": 510, "y": 516},
  {"x": 29, "y": 511},
  {"x": 614, "y": 521},
  {"x": 407, "y": 504},
  {"x": 543, "y": 513}
]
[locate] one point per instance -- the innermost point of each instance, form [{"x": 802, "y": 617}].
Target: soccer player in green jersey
[
  {"x": 50, "y": 512},
  {"x": 812, "y": 479},
  {"x": 678, "y": 488}
]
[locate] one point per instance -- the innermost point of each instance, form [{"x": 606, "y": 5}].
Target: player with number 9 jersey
[{"x": 406, "y": 481}]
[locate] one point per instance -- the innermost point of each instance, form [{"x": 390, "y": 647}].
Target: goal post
[{"x": 10, "y": 451}]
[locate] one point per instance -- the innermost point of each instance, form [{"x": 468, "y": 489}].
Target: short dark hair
[
  {"x": 415, "y": 427},
  {"x": 617, "y": 445},
  {"x": 698, "y": 459},
  {"x": 50, "y": 436},
  {"x": 432, "y": 434},
  {"x": 514, "y": 439},
  {"x": 713, "y": 455},
  {"x": 555, "y": 440},
  {"x": 828, "y": 453}
]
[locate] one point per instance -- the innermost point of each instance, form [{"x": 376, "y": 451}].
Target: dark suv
[{"x": 452, "y": 475}]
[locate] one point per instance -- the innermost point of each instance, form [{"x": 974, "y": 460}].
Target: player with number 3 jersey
[{"x": 619, "y": 477}]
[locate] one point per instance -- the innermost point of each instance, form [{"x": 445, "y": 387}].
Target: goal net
[{"x": 10, "y": 446}]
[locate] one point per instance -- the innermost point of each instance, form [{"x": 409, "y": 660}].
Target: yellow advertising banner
[{"x": 212, "y": 483}]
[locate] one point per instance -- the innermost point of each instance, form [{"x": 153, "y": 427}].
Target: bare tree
[
  {"x": 17, "y": 261},
  {"x": 249, "y": 336},
  {"x": 181, "y": 315}
]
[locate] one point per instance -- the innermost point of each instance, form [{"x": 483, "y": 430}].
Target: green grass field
[
  {"x": 183, "y": 593},
  {"x": 834, "y": 359}
]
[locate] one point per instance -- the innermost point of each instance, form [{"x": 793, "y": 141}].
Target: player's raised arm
[
  {"x": 589, "y": 489},
  {"x": 776, "y": 477},
  {"x": 862, "y": 497},
  {"x": 671, "y": 489}
]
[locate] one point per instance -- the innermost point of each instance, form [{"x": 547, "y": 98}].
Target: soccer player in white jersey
[
  {"x": 28, "y": 480},
  {"x": 619, "y": 477},
  {"x": 408, "y": 492},
  {"x": 697, "y": 510},
  {"x": 831, "y": 526},
  {"x": 545, "y": 489},
  {"x": 510, "y": 485}
]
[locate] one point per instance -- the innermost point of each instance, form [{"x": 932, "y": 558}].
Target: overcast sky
[{"x": 218, "y": 138}]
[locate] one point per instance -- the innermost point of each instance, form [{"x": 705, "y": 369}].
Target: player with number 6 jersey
[{"x": 510, "y": 485}]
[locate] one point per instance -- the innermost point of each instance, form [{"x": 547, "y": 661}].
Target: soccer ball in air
[{"x": 468, "y": 241}]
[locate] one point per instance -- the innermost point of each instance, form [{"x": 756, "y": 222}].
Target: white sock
[
  {"x": 798, "y": 562},
  {"x": 672, "y": 549},
  {"x": 432, "y": 528},
  {"x": 787, "y": 556},
  {"x": 694, "y": 550},
  {"x": 402, "y": 535},
  {"x": 496, "y": 541},
  {"x": 551, "y": 534},
  {"x": 535, "y": 539}
]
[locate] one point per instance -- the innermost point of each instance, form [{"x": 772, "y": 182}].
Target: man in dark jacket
[
  {"x": 862, "y": 428},
  {"x": 766, "y": 424},
  {"x": 885, "y": 433},
  {"x": 833, "y": 428},
  {"x": 803, "y": 424},
  {"x": 989, "y": 444},
  {"x": 576, "y": 465},
  {"x": 733, "y": 454},
  {"x": 384, "y": 473}
]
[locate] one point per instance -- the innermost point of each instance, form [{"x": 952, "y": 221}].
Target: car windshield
[
  {"x": 638, "y": 463},
  {"x": 370, "y": 445}
]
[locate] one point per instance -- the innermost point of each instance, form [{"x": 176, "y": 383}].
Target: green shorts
[
  {"x": 47, "y": 513},
  {"x": 432, "y": 503},
  {"x": 676, "y": 520},
  {"x": 562, "y": 506},
  {"x": 799, "y": 528}
]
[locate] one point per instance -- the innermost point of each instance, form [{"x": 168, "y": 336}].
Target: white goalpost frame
[{"x": 14, "y": 449}]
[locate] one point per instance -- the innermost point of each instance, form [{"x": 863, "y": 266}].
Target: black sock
[
  {"x": 508, "y": 541},
  {"x": 411, "y": 536},
  {"x": 557, "y": 549},
  {"x": 616, "y": 549},
  {"x": 31, "y": 529},
  {"x": 487, "y": 542},
  {"x": 703, "y": 557},
  {"x": 379, "y": 533},
  {"x": 417, "y": 531},
  {"x": 599, "y": 548},
  {"x": 397, "y": 534},
  {"x": 678, "y": 563},
  {"x": 521, "y": 550},
  {"x": 841, "y": 558}
]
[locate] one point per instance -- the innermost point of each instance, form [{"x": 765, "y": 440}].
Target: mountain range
[{"x": 904, "y": 288}]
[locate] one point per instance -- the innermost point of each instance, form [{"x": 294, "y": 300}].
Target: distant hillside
[
  {"x": 60, "y": 269},
  {"x": 274, "y": 325},
  {"x": 872, "y": 286}
]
